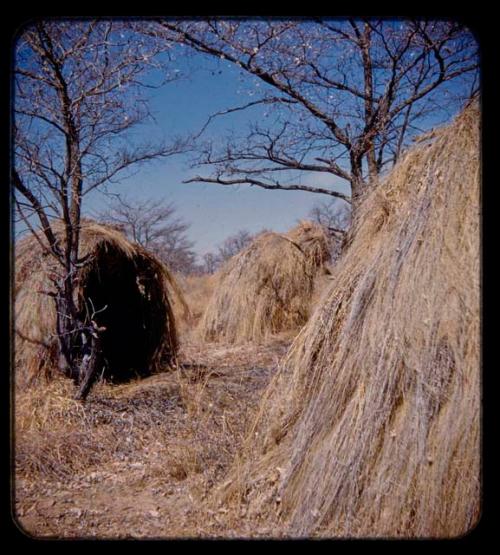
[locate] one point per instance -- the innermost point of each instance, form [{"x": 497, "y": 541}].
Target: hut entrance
[{"x": 130, "y": 306}]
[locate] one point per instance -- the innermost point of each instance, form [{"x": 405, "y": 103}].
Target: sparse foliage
[{"x": 342, "y": 97}]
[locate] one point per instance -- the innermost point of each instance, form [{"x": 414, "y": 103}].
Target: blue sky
[{"x": 214, "y": 211}]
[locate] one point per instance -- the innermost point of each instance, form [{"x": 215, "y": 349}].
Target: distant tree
[
  {"x": 154, "y": 225},
  {"x": 335, "y": 218},
  {"x": 233, "y": 245},
  {"x": 77, "y": 88},
  {"x": 332, "y": 215},
  {"x": 210, "y": 263},
  {"x": 343, "y": 97}
]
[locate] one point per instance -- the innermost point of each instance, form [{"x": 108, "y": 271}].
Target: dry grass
[
  {"x": 197, "y": 291},
  {"x": 150, "y": 447},
  {"x": 267, "y": 288},
  {"x": 371, "y": 426}
]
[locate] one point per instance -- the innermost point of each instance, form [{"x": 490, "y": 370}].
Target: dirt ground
[{"x": 138, "y": 460}]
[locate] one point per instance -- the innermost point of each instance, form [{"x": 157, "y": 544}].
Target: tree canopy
[{"x": 345, "y": 97}]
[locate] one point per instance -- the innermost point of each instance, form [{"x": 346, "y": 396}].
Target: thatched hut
[
  {"x": 372, "y": 425},
  {"x": 266, "y": 288},
  {"x": 132, "y": 291}
]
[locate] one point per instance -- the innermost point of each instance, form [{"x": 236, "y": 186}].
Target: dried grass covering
[
  {"x": 138, "y": 290},
  {"x": 266, "y": 288},
  {"x": 372, "y": 425}
]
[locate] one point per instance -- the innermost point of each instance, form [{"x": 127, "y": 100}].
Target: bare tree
[
  {"x": 335, "y": 217},
  {"x": 154, "y": 225},
  {"x": 231, "y": 246},
  {"x": 343, "y": 97},
  {"x": 210, "y": 263},
  {"x": 77, "y": 97}
]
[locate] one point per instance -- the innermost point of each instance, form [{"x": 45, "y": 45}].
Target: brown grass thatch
[
  {"x": 266, "y": 288},
  {"x": 137, "y": 289},
  {"x": 372, "y": 425}
]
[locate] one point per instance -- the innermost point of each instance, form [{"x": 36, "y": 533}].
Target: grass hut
[
  {"x": 372, "y": 425},
  {"x": 135, "y": 290},
  {"x": 266, "y": 288}
]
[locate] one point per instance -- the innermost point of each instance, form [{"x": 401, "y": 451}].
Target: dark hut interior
[{"x": 130, "y": 305}]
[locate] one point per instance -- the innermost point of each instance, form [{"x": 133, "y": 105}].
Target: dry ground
[{"x": 138, "y": 460}]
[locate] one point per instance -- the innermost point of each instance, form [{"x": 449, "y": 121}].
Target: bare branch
[
  {"x": 272, "y": 100},
  {"x": 357, "y": 89},
  {"x": 272, "y": 186},
  {"x": 46, "y": 228}
]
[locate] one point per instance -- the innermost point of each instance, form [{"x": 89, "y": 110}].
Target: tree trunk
[
  {"x": 80, "y": 355},
  {"x": 372, "y": 163},
  {"x": 65, "y": 327},
  {"x": 358, "y": 185},
  {"x": 365, "y": 44},
  {"x": 359, "y": 189},
  {"x": 91, "y": 362}
]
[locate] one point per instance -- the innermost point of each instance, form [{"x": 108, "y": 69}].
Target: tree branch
[
  {"x": 272, "y": 186},
  {"x": 46, "y": 228}
]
